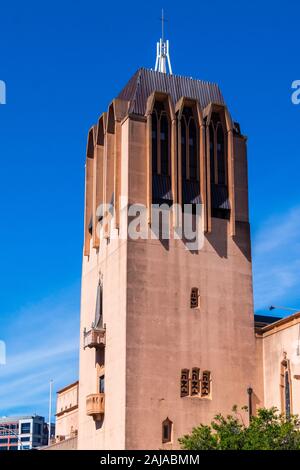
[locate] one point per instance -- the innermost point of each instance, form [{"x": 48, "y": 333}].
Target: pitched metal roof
[
  {"x": 144, "y": 82},
  {"x": 264, "y": 320}
]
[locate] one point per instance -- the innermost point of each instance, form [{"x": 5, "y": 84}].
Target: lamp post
[
  {"x": 250, "y": 393},
  {"x": 274, "y": 307},
  {"x": 50, "y": 410}
]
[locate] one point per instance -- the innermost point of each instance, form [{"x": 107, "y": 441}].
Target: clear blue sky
[{"x": 63, "y": 62}]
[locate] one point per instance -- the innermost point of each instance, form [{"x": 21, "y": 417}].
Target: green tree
[{"x": 269, "y": 430}]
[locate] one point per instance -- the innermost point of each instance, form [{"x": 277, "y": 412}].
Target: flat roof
[
  {"x": 68, "y": 386},
  {"x": 12, "y": 419}
]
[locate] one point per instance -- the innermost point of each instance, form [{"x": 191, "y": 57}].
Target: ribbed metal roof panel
[{"x": 144, "y": 82}]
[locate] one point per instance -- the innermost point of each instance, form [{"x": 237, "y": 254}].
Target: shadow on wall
[
  {"x": 242, "y": 239},
  {"x": 218, "y": 237},
  {"x": 256, "y": 403}
]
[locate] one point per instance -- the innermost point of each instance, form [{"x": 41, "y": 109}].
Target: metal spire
[
  {"x": 162, "y": 24},
  {"x": 162, "y": 51}
]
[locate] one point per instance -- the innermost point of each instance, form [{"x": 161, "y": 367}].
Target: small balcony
[
  {"x": 94, "y": 338},
  {"x": 95, "y": 405}
]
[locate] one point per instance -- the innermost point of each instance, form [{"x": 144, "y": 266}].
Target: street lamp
[
  {"x": 50, "y": 410},
  {"x": 273, "y": 307},
  {"x": 250, "y": 392}
]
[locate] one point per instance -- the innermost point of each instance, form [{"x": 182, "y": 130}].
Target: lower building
[
  {"x": 23, "y": 432},
  {"x": 277, "y": 362},
  {"x": 278, "y": 346},
  {"x": 66, "y": 425}
]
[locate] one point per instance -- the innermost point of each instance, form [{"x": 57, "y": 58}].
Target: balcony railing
[
  {"x": 95, "y": 405},
  {"x": 94, "y": 338}
]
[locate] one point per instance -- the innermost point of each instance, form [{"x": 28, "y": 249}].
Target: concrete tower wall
[{"x": 151, "y": 332}]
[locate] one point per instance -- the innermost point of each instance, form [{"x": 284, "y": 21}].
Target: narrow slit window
[
  {"x": 154, "y": 143},
  {"x": 184, "y": 383},
  {"x": 99, "y": 306},
  {"x": 212, "y": 153},
  {"x": 195, "y": 381},
  {"x": 193, "y": 153},
  {"x": 164, "y": 145},
  {"x": 167, "y": 431},
  {"x": 206, "y": 384},
  {"x": 183, "y": 148},
  {"x": 286, "y": 388},
  {"x": 221, "y": 155},
  {"x": 161, "y": 155},
  {"x": 101, "y": 384},
  {"x": 194, "y": 301}
]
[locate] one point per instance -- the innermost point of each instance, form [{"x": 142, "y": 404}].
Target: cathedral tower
[{"x": 167, "y": 335}]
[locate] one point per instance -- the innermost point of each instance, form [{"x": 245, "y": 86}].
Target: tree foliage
[{"x": 269, "y": 430}]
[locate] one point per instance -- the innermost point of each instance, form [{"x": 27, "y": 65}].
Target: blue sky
[{"x": 62, "y": 63}]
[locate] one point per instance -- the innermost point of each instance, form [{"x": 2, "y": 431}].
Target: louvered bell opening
[
  {"x": 190, "y": 192},
  {"x": 220, "y": 204},
  {"x": 162, "y": 190}
]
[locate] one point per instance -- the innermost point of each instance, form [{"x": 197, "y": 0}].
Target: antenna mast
[{"x": 162, "y": 51}]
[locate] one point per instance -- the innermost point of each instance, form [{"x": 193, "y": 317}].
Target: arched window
[
  {"x": 183, "y": 148},
  {"x": 221, "y": 155},
  {"x": 286, "y": 388},
  {"x": 164, "y": 145},
  {"x": 160, "y": 140},
  {"x": 102, "y": 383},
  {"x": 220, "y": 206},
  {"x": 167, "y": 426},
  {"x": 88, "y": 213},
  {"x": 212, "y": 152},
  {"x": 217, "y": 149},
  {"x": 110, "y": 163},
  {"x": 154, "y": 142},
  {"x": 99, "y": 306},
  {"x": 189, "y": 157},
  {"x": 193, "y": 154},
  {"x": 161, "y": 155},
  {"x": 287, "y": 394}
]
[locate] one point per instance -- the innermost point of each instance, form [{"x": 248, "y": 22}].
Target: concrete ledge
[{"x": 67, "y": 444}]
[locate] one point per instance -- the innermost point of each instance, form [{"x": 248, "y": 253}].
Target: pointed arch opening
[
  {"x": 89, "y": 172},
  {"x": 193, "y": 152},
  {"x": 161, "y": 154},
  {"x": 98, "y": 180},
  {"x": 286, "y": 387},
  {"x": 218, "y": 164},
  {"x": 110, "y": 159},
  {"x": 167, "y": 428},
  {"x": 212, "y": 152},
  {"x": 221, "y": 161},
  {"x": 189, "y": 153}
]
